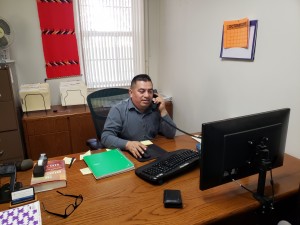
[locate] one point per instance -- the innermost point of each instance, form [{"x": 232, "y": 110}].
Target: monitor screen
[{"x": 234, "y": 148}]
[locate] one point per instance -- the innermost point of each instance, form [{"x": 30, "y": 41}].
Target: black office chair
[{"x": 100, "y": 103}]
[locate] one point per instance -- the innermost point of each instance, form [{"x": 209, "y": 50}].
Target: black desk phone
[{"x": 155, "y": 105}]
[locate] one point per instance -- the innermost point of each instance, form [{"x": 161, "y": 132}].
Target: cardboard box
[
  {"x": 35, "y": 97},
  {"x": 73, "y": 93}
]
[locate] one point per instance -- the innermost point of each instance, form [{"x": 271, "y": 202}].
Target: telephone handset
[{"x": 155, "y": 105}]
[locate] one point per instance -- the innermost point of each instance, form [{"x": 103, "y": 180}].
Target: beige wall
[{"x": 206, "y": 88}]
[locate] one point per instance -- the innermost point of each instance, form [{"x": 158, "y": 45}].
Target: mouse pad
[{"x": 154, "y": 151}]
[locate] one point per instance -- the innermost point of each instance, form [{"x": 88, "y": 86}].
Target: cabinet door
[
  {"x": 10, "y": 146},
  {"x": 48, "y": 135},
  {"x": 53, "y": 144},
  {"x": 81, "y": 128}
]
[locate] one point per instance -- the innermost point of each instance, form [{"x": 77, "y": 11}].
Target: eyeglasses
[{"x": 70, "y": 208}]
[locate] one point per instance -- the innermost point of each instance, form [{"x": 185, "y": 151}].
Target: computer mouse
[{"x": 146, "y": 155}]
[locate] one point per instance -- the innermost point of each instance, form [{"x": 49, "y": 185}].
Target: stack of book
[{"x": 55, "y": 177}]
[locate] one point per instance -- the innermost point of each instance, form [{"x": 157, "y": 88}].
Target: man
[{"x": 137, "y": 119}]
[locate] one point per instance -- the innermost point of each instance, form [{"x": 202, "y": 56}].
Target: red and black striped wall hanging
[{"x": 58, "y": 37}]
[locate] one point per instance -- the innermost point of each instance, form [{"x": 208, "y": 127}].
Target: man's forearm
[
  {"x": 111, "y": 141},
  {"x": 166, "y": 129}
]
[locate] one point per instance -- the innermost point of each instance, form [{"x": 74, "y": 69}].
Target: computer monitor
[{"x": 238, "y": 147}]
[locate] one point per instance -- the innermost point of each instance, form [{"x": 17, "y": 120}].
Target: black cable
[
  {"x": 272, "y": 185},
  {"x": 242, "y": 186},
  {"x": 180, "y": 129}
]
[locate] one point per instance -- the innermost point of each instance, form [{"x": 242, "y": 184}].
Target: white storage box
[
  {"x": 35, "y": 97},
  {"x": 73, "y": 93}
]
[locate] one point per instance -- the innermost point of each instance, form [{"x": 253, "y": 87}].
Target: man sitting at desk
[{"x": 137, "y": 119}]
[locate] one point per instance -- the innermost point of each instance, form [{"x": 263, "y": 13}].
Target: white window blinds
[{"x": 112, "y": 41}]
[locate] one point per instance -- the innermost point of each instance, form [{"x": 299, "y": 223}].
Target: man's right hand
[{"x": 136, "y": 148}]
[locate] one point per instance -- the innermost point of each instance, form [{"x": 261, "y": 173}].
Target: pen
[{"x": 72, "y": 160}]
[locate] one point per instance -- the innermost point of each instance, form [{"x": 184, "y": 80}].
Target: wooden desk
[{"x": 127, "y": 199}]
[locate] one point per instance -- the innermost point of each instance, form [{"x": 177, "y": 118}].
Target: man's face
[{"x": 142, "y": 94}]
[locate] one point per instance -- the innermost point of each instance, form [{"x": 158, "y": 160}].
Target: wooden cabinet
[
  {"x": 59, "y": 131},
  {"x": 81, "y": 129},
  {"x": 169, "y": 108},
  {"x": 11, "y": 148}
]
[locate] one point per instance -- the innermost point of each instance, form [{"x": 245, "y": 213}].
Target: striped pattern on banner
[
  {"x": 55, "y": 1},
  {"x": 57, "y": 32},
  {"x": 62, "y": 63}
]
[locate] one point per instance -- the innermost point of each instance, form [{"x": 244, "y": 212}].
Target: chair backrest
[{"x": 100, "y": 103}]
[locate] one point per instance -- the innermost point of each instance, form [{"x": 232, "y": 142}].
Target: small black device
[
  {"x": 153, "y": 151},
  {"x": 172, "y": 199},
  {"x": 39, "y": 168},
  {"x": 169, "y": 165},
  {"x": 146, "y": 155},
  {"x": 155, "y": 105}
]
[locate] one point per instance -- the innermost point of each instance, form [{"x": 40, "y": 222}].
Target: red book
[{"x": 55, "y": 177}]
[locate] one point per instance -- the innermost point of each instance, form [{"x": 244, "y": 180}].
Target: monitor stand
[{"x": 264, "y": 164}]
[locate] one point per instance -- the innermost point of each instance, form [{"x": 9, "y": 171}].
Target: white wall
[
  {"x": 206, "y": 88},
  {"x": 27, "y": 49},
  {"x": 184, "y": 48}
]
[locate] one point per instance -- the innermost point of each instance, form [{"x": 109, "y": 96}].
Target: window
[{"x": 111, "y": 36}]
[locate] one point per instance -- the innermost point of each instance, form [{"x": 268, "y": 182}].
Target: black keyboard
[{"x": 168, "y": 166}]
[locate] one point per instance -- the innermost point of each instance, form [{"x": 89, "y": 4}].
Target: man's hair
[{"x": 140, "y": 77}]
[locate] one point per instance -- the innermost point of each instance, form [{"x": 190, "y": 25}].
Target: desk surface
[{"x": 127, "y": 199}]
